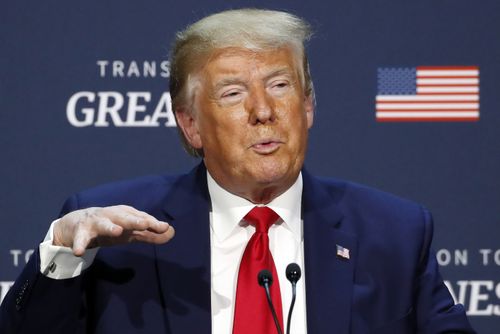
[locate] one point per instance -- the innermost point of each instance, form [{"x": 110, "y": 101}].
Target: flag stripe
[
  {"x": 447, "y": 93},
  {"x": 456, "y": 73},
  {"x": 447, "y": 68},
  {"x": 424, "y": 119},
  {"x": 443, "y": 81},
  {"x": 413, "y": 111},
  {"x": 429, "y": 114},
  {"x": 408, "y": 101},
  {"x": 447, "y": 90},
  {"x": 427, "y": 106},
  {"x": 447, "y": 77},
  {"x": 427, "y": 98},
  {"x": 446, "y": 85}
]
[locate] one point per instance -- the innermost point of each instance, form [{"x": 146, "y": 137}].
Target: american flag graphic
[
  {"x": 343, "y": 252},
  {"x": 428, "y": 94}
]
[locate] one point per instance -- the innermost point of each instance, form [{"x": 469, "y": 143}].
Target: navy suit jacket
[{"x": 390, "y": 283}]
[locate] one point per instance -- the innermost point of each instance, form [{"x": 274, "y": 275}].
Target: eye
[
  {"x": 231, "y": 93},
  {"x": 279, "y": 86}
]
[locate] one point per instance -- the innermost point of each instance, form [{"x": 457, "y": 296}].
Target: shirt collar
[{"x": 228, "y": 209}]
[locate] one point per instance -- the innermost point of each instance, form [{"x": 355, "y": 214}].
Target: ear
[
  {"x": 309, "y": 109},
  {"x": 189, "y": 126}
]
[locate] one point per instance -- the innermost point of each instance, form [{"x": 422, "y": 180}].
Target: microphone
[
  {"x": 293, "y": 274},
  {"x": 265, "y": 279}
]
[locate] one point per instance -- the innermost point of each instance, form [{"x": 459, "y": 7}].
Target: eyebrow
[
  {"x": 280, "y": 71},
  {"x": 228, "y": 81}
]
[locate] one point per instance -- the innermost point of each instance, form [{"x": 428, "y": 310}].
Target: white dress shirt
[{"x": 228, "y": 237}]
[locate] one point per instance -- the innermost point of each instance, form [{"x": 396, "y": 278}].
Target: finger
[
  {"x": 127, "y": 220},
  {"x": 80, "y": 242},
  {"x": 154, "y": 238},
  {"x": 153, "y": 223},
  {"x": 127, "y": 208},
  {"x": 104, "y": 227},
  {"x": 130, "y": 210},
  {"x": 158, "y": 226},
  {"x": 86, "y": 236},
  {"x": 133, "y": 219}
]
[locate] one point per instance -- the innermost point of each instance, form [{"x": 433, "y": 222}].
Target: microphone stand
[
  {"x": 294, "y": 285},
  {"x": 265, "y": 279},
  {"x": 293, "y": 274}
]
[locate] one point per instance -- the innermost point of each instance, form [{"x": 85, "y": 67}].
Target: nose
[{"x": 260, "y": 107}]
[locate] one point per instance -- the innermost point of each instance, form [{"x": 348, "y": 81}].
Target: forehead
[{"x": 245, "y": 62}]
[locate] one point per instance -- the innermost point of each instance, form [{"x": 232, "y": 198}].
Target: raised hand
[{"x": 95, "y": 227}]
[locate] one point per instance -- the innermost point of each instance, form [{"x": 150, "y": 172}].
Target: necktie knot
[{"x": 262, "y": 218}]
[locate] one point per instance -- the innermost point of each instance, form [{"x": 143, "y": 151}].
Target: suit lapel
[
  {"x": 183, "y": 264},
  {"x": 329, "y": 277}
]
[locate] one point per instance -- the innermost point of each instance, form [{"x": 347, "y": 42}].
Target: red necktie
[{"x": 252, "y": 313}]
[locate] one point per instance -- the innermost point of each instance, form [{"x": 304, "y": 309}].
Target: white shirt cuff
[{"x": 58, "y": 262}]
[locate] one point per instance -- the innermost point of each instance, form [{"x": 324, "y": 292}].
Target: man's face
[{"x": 251, "y": 118}]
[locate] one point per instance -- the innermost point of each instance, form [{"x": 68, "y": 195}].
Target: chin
[{"x": 273, "y": 174}]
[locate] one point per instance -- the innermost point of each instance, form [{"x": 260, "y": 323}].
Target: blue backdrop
[{"x": 83, "y": 101}]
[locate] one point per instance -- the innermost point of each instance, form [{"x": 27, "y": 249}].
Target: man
[{"x": 244, "y": 101}]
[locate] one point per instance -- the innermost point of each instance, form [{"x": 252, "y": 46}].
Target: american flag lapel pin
[{"x": 343, "y": 252}]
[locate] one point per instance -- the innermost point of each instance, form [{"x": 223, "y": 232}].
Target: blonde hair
[{"x": 253, "y": 29}]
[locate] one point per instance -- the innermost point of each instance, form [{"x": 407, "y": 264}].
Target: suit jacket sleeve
[
  {"x": 435, "y": 309},
  {"x": 37, "y": 304}
]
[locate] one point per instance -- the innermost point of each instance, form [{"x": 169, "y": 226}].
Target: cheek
[
  {"x": 294, "y": 115},
  {"x": 298, "y": 126},
  {"x": 224, "y": 130}
]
